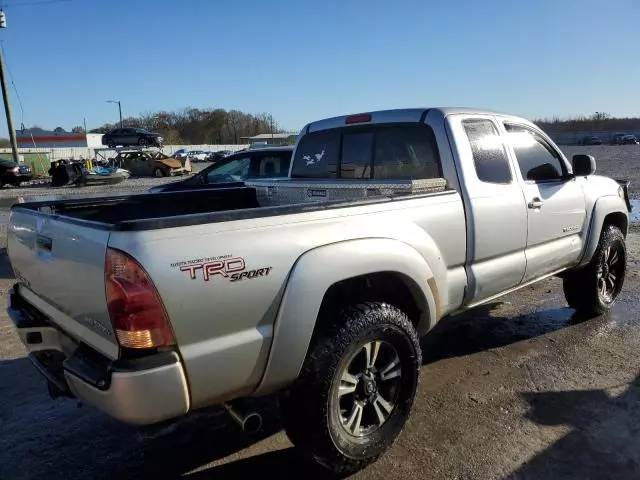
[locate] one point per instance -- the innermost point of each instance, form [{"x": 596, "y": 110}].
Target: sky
[{"x": 302, "y": 60}]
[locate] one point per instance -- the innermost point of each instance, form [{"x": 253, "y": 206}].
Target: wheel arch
[
  {"x": 335, "y": 271},
  {"x": 609, "y": 210}
]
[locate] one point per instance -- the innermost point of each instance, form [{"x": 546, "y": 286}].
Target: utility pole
[
  {"x": 5, "y": 95},
  {"x": 119, "y": 109},
  {"x": 271, "y": 118}
]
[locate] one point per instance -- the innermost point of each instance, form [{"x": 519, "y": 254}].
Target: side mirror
[{"x": 584, "y": 165}]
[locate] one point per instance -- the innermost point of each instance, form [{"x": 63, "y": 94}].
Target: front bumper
[{"x": 141, "y": 391}]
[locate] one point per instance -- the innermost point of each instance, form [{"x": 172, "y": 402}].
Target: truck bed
[
  {"x": 151, "y": 211},
  {"x": 116, "y": 209}
]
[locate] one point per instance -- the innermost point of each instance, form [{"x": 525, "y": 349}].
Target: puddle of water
[{"x": 635, "y": 213}]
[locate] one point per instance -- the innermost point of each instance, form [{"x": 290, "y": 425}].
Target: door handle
[{"x": 535, "y": 203}]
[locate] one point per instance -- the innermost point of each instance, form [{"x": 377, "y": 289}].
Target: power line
[{"x": 37, "y": 2}]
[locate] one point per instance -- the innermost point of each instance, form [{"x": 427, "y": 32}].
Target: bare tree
[{"x": 197, "y": 126}]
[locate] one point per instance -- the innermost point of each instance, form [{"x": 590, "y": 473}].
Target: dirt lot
[
  {"x": 619, "y": 162},
  {"x": 519, "y": 389}
]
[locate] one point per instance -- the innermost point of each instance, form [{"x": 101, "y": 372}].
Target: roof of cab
[
  {"x": 401, "y": 115},
  {"x": 271, "y": 148}
]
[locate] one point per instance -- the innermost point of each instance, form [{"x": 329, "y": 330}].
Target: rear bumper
[{"x": 141, "y": 391}]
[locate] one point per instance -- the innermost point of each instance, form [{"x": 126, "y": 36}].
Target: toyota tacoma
[{"x": 316, "y": 286}]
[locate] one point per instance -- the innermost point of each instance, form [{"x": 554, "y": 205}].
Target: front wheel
[
  {"x": 356, "y": 388},
  {"x": 158, "y": 173},
  {"x": 593, "y": 290}
]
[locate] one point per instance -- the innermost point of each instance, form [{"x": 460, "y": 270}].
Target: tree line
[
  {"x": 598, "y": 121},
  {"x": 194, "y": 126}
]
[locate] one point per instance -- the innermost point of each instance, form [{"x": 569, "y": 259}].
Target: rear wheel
[
  {"x": 142, "y": 142},
  {"x": 593, "y": 290},
  {"x": 111, "y": 144},
  {"x": 356, "y": 388},
  {"x": 157, "y": 172}
]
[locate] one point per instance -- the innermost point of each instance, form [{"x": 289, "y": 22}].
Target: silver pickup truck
[{"x": 317, "y": 286}]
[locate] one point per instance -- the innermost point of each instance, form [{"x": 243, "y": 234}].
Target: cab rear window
[{"x": 381, "y": 152}]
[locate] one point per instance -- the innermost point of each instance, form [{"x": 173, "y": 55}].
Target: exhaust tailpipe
[{"x": 250, "y": 422}]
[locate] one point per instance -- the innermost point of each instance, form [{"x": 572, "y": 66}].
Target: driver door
[{"x": 556, "y": 207}]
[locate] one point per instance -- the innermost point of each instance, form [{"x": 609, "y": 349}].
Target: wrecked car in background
[{"x": 151, "y": 163}]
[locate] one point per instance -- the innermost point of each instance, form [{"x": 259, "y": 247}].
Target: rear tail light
[
  {"x": 361, "y": 118},
  {"x": 136, "y": 310}
]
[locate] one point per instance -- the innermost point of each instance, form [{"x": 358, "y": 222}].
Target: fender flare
[
  {"x": 603, "y": 206},
  {"x": 311, "y": 277}
]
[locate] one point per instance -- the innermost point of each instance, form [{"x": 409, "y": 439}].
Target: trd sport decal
[{"x": 233, "y": 269}]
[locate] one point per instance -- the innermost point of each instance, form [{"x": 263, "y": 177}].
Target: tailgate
[{"x": 60, "y": 266}]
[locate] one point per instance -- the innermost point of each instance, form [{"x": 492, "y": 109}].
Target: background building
[{"x": 272, "y": 139}]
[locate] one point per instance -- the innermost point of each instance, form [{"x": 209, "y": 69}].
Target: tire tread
[{"x": 307, "y": 427}]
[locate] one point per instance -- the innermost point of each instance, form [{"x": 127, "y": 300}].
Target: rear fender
[{"x": 312, "y": 276}]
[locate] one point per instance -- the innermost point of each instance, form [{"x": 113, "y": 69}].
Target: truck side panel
[
  {"x": 222, "y": 283},
  {"x": 315, "y": 272},
  {"x": 496, "y": 216}
]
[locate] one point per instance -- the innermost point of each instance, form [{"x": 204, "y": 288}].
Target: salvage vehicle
[
  {"x": 146, "y": 163},
  {"x": 317, "y": 286},
  {"x": 236, "y": 169},
  {"x": 12, "y": 173}
]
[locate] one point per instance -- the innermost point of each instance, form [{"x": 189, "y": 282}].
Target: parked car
[
  {"x": 629, "y": 140},
  {"x": 12, "y": 173},
  {"x": 591, "y": 140},
  {"x": 317, "y": 286},
  {"x": 197, "y": 155},
  {"x": 156, "y": 164},
  {"x": 617, "y": 138},
  {"x": 214, "y": 156},
  {"x": 132, "y": 136},
  {"x": 235, "y": 169},
  {"x": 181, "y": 153}
]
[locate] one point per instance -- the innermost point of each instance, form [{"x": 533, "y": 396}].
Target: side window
[
  {"x": 269, "y": 166},
  {"x": 406, "y": 152},
  {"x": 489, "y": 157},
  {"x": 537, "y": 160}
]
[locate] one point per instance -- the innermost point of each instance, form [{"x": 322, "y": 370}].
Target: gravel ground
[
  {"x": 131, "y": 185},
  {"x": 517, "y": 389},
  {"x": 620, "y": 162}
]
